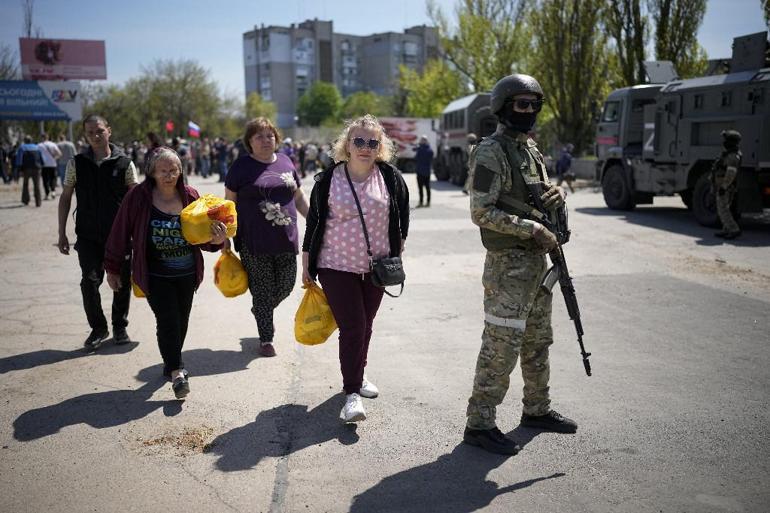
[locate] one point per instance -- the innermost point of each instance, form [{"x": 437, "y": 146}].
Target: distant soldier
[
  {"x": 724, "y": 176},
  {"x": 472, "y": 140},
  {"x": 517, "y": 310}
]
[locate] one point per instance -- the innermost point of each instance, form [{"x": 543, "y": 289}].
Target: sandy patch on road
[
  {"x": 721, "y": 270},
  {"x": 192, "y": 440}
]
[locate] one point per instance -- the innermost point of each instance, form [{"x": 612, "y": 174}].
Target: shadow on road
[
  {"x": 281, "y": 431},
  {"x": 113, "y": 408},
  {"x": 209, "y": 362},
  {"x": 98, "y": 410},
  {"x": 756, "y": 232},
  {"x": 51, "y": 356},
  {"x": 454, "y": 483}
]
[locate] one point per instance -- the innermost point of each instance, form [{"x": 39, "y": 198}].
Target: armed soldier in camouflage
[
  {"x": 724, "y": 176},
  {"x": 517, "y": 310}
]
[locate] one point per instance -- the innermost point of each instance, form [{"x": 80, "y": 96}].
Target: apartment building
[{"x": 280, "y": 63}]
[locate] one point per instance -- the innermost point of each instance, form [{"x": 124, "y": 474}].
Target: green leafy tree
[
  {"x": 766, "y": 8},
  {"x": 489, "y": 40},
  {"x": 572, "y": 46},
  {"x": 319, "y": 103},
  {"x": 676, "y": 31},
  {"x": 179, "y": 91},
  {"x": 428, "y": 93},
  {"x": 629, "y": 27},
  {"x": 364, "y": 102},
  {"x": 256, "y": 107}
]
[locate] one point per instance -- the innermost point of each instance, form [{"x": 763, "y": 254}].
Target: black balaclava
[{"x": 517, "y": 121}]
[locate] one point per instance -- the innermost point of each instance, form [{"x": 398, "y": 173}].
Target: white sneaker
[
  {"x": 369, "y": 389},
  {"x": 353, "y": 411}
]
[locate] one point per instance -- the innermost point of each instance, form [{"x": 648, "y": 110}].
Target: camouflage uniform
[
  {"x": 517, "y": 311},
  {"x": 726, "y": 170}
]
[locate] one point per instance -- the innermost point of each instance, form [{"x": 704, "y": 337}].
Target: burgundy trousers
[{"x": 354, "y": 301}]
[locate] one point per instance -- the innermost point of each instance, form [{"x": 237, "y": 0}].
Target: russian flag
[{"x": 193, "y": 130}]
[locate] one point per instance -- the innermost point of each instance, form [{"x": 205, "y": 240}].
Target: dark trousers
[
  {"x": 423, "y": 182},
  {"x": 49, "y": 180},
  {"x": 354, "y": 303},
  {"x": 31, "y": 173},
  {"x": 91, "y": 259},
  {"x": 171, "y": 301},
  {"x": 271, "y": 280}
]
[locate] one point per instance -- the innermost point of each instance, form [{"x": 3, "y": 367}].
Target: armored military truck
[
  {"x": 469, "y": 114},
  {"x": 661, "y": 139}
]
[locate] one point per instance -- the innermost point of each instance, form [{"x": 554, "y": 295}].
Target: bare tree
[
  {"x": 628, "y": 26},
  {"x": 9, "y": 63},
  {"x": 29, "y": 10}
]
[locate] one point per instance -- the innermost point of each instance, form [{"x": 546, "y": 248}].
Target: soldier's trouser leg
[
  {"x": 535, "y": 367},
  {"x": 724, "y": 201},
  {"x": 511, "y": 283},
  {"x": 499, "y": 351}
]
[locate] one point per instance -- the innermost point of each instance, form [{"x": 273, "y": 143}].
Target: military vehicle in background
[
  {"x": 469, "y": 114},
  {"x": 661, "y": 139},
  {"x": 405, "y": 134}
]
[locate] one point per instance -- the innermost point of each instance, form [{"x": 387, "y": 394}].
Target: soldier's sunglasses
[
  {"x": 360, "y": 142},
  {"x": 537, "y": 105}
]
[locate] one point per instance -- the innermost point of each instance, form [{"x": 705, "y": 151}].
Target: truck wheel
[
  {"x": 617, "y": 194},
  {"x": 704, "y": 205},
  {"x": 441, "y": 169},
  {"x": 457, "y": 169},
  {"x": 687, "y": 198}
]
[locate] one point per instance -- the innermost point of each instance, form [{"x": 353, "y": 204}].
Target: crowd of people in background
[{"x": 203, "y": 157}]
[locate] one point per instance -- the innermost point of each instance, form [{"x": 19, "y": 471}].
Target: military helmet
[
  {"x": 732, "y": 136},
  {"x": 510, "y": 86}
]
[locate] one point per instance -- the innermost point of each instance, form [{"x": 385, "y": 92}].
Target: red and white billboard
[{"x": 62, "y": 59}]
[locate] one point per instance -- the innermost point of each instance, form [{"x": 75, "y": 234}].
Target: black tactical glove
[{"x": 553, "y": 197}]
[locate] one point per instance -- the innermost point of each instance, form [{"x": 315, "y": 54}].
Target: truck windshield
[{"x": 611, "y": 112}]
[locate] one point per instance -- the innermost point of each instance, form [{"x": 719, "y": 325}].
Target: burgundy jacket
[{"x": 129, "y": 230}]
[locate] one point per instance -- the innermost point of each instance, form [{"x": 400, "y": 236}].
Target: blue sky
[{"x": 139, "y": 31}]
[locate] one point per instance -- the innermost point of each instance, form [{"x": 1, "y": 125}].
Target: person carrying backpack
[{"x": 30, "y": 161}]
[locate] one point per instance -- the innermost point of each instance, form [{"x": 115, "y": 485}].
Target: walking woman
[
  {"x": 334, "y": 247},
  {"x": 165, "y": 266},
  {"x": 266, "y": 190}
]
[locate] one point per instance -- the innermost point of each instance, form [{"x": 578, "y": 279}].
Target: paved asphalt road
[{"x": 674, "y": 419}]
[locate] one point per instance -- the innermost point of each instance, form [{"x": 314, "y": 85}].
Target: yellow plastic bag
[
  {"x": 137, "y": 291},
  {"x": 196, "y": 218},
  {"x": 314, "y": 322},
  {"x": 229, "y": 275}
]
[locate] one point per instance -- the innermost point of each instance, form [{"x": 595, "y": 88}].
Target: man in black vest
[{"x": 99, "y": 177}]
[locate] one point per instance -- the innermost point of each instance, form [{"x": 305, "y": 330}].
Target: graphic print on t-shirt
[{"x": 169, "y": 254}]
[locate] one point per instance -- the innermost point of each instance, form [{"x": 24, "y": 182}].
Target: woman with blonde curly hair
[
  {"x": 335, "y": 248},
  {"x": 266, "y": 190}
]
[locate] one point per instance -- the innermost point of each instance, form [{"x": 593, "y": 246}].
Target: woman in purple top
[{"x": 266, "y": 190}]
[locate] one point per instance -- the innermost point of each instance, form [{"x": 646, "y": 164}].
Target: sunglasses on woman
[
  {"x": 360, "y": 142},
  {"x": 537, "y": 105}
]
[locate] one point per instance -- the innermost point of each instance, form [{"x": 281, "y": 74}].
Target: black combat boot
[
  {"x": 492, "y": 440},
  {"x": 551, "y": 421},
  {"x": 732, "y": 235}
]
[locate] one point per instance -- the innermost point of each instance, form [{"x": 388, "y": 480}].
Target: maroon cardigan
[{"x": 129, "y": 230}]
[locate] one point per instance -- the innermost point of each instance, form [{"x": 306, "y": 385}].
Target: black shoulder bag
[{"x": 386, "y": 271}]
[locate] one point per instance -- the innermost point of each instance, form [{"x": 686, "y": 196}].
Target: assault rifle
[{"x": 557, "y": 224}]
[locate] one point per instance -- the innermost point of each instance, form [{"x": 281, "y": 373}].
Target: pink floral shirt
[{"x": 344, "y": 245}]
